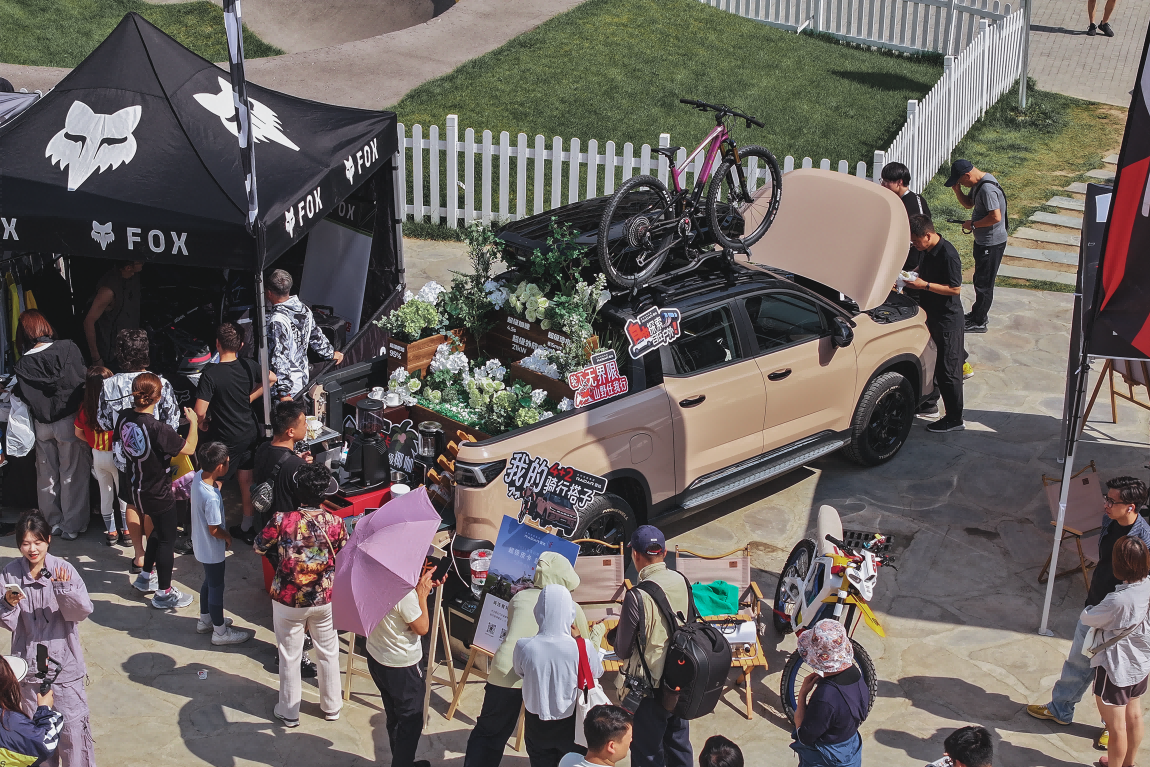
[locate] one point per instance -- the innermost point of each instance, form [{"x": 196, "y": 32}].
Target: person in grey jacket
[
  {"x": 48, "y": 612},
  {"x": 1121, "y": 670}
]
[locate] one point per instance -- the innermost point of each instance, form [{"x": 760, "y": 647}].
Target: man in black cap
[
  {"x": 659, "y": 737},
  {"x": 896, "y": 178},
  {"x": 938, "y": 284},
  {"x": 987, "y": 203}
]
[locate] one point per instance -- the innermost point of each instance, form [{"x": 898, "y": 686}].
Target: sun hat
[
  {"x": 19, "y": 667},
  {"x": 826, "y": 648}
]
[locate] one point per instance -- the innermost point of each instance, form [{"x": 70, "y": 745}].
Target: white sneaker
[
  {"x": 173, "y": 600},
  {"x": 334, "y": 716},
  {"x": 146, "y": 582},
  {"x": 231, "y": 636},
  {"x": 203, "y": 628},
  {"x": 287, "y": 722}
]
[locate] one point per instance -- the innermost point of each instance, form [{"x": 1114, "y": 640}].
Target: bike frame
[{"x": 713, "y": 143}]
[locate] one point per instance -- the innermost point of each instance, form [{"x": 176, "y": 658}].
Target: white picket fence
[
  {"x": 488, "y": 178},
  {"x": 940, "y": 26},
  {"x": 970, "y": 84}
]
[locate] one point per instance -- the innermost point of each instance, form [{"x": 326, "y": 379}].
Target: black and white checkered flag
[{"x": 233, "y": 23}]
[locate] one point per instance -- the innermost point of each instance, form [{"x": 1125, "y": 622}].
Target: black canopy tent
[{"x": 134, "y": 156}]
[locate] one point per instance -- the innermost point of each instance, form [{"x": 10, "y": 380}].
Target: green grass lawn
[
  {"x": 615, "y": 70},
  {"x": 1034, "y": 154},
  {"x": 61, "y": 33}
]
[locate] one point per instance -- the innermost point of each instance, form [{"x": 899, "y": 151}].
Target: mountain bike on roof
[{"x": 644, "y": 221}]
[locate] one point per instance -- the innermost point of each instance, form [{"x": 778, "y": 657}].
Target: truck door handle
[
  {"x": 778, "y": 375},
  {"x": 692, "y": 401}
]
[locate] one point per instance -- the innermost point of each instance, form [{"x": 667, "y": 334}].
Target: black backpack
[{"x": 698, "y": 656}]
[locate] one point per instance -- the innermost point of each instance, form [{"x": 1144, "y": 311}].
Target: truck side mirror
[{"x": 842, "y": 334}]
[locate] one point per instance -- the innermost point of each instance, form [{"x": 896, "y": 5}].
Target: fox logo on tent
[
  {"x": 289, "y": 221},
  {"x": 265, "y": 123},
  {"x": 102, "y": 233},
  {"x": 91, "y": 142},
  {"x": 349, "y": 169}
]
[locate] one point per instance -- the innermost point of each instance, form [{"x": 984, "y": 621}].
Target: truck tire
[
  {"x": 882, "y": 420},
  {"x": 609, "y": 519}
]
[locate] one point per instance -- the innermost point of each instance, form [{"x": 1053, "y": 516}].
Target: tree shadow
[{"x": 884, "y": 81}]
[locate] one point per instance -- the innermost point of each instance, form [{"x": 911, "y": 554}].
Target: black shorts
[
  {"x": 1113, "y": 695},
  {"x": 240, "y": 459}
]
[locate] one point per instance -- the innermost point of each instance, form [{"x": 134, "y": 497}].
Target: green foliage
[
  {"x": 61, "y": 33},
  {"x": 466, "y": 303},
  {"x": 560, "y": 262},
  {"x": 411, "y": 322}
]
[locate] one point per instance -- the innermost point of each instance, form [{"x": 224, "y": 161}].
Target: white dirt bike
[{"x": 827, "y": 578}]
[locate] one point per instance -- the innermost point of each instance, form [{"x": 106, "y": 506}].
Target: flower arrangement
[
  {"x": 418, "y": 317},
  {"x": 470, "y": 303}
]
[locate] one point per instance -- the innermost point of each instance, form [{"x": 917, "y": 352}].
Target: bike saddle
[{"x": 667, "y": 151}]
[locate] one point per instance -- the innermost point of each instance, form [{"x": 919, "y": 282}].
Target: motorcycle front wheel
[
  {"x": 797, "y": 566},
  {"x": 795, "y": 671}
]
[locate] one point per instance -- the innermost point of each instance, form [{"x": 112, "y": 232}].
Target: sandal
[{"x": 110, "y": 539}]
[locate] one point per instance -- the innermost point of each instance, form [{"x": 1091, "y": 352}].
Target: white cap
[{"x": 19, "y": 666}]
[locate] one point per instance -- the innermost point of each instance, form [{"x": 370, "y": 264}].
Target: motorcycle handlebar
[{"x": 846, "y": 549}]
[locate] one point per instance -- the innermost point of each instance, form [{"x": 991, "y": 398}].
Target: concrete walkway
[
  {"x": 376, "y": 72},
  {"x": 970, "y": 528},
  {"x": 1065, "y": 60}
]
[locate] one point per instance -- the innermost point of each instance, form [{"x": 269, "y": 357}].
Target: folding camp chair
[
  {"x": 734, "y": 567},
  {"x": 1083, "y": 517},
  {"x": 601, "y": 587}
]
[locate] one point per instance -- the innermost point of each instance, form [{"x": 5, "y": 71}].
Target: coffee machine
[{"x": 367, "y": 465}]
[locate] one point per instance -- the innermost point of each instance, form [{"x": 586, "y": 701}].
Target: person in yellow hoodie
[{"x": 503, "y": 694}]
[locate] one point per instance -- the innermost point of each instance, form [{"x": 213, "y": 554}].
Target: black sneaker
[
  {"x": 927, "y": 410},
  {"x": 946, "y": 424},
  {"x": 183, "y": 545},
  {"x": 135, "y": 569},
  {"x": 1106, "y": 29},
  {"x": 973, "y": 327},
  {"x": 307, "y": 667},
  {"x": 247, "y": 536},
  {"x": 1092, "y": 30},
  {"x": 124, "y": 539}
]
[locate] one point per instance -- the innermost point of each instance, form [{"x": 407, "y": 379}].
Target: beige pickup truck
[{"x": 799, "y": 352}]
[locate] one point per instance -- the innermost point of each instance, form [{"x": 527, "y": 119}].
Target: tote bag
[{"x": 590, "y": 693}]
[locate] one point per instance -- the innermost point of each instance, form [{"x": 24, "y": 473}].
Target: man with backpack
[
  {"x": 987, "y": 204},
  {"x": 660, "y": 737}
]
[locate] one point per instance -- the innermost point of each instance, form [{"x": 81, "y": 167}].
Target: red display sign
[{"x": 598, "y": 381}]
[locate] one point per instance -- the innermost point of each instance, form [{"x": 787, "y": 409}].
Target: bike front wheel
[
  {"x": 635, "y": 231},
  {"x": 744, "y": 197},
  {"x": 795, "y": 671}
]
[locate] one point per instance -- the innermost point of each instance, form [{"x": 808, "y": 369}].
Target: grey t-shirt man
[{"x": 988, "y": 198}]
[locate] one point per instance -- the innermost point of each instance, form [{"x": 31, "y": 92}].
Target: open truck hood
[{"x": 848, "y": 233}]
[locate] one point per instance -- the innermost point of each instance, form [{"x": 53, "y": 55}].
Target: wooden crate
[
  {"x": 417, "y": 356},
  {"x": 419, "y": 414},
  {"x": 511, "y": 338},
  {"x": 555, "y": 388}
]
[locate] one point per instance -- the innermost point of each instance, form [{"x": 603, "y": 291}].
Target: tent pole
[
  {"x": 1083, "y": 374},
  {"x": 265, "y": 368}
]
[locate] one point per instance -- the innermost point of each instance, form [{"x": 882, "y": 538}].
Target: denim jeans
[{"x": 1076, "y": 679}]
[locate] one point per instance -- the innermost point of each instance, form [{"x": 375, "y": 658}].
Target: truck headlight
[{"x": 478, "y": 474}]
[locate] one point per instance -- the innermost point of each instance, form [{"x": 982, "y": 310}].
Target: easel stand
[
  {"x": 439, "y": 632},
  {"x": 1129, "y": 373},
  {"x": 472, "y": 668}
]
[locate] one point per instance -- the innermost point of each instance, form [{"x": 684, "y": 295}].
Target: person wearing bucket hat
[
  {"x": 832, "y": 702},
  {"x": 26, "y": 741}
]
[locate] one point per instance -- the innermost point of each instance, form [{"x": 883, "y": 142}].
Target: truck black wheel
[
  {"x": 609, "y": 519},
  {"x": 795, "y": 671},
  {"x": 797, "y": 566},
  {"x": 882, "y": 420}
]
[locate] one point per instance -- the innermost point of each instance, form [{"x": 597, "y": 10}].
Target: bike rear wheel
[
  {"x": 634, "y": 235},
  {"x": 795, "y": 671},
  {"x": 743, "y": 198}
]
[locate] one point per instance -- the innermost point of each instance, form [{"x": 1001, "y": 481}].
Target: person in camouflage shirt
[{"x": 291, "y": 330}]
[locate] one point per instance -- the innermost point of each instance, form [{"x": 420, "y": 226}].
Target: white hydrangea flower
[
  {"x": 497, "y": 294},
  {"x": 537, "y": 397},
  {"x": 397, "y": 379},
  {"x": 566, "y": 404},
  {"x": 430, "y": 292},
  {"x": 545, "y": 414},
  {"x": 407, "y": 296}
]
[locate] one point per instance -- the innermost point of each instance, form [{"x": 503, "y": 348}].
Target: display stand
[
  {"x": 472, "y": 668},
  {"x": 438, "y": 631}
]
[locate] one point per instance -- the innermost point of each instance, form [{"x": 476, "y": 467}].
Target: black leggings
[{"x": 161, "y": 546}]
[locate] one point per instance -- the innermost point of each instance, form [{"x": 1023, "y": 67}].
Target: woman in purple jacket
[{"x": 48, "y": 612}]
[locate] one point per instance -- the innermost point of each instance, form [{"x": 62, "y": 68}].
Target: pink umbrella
[{"x": 382, "y": 561}]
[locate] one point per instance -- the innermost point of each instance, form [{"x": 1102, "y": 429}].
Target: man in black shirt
[
  {"x": 896, "y": 178},
  {"x": 289, "y": 425},
  {"x": 1124, "y": 497},
  {"x": 224, "y": 404},
  {"x": 938, "y": 284}
]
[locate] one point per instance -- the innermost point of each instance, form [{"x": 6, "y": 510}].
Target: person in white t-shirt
[
  {"x": 394, "y": 658},
  {"x": 608, "y": 733},
  {"x": 210, "y": 542}
]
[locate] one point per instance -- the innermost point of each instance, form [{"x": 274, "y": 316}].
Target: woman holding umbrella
[{"x": 301, "y": 545}]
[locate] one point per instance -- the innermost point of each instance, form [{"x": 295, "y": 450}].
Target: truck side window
[
  {"x": 707, "y": 341},
  {"x": 783, "y": 319}
]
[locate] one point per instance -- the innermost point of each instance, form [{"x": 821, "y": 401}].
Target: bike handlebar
[{"x": 723, "y": 111}]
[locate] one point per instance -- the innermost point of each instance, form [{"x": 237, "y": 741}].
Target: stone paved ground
[
  {"x": 1065, "y": 60},
  {"x": 971, "y": 530}
]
